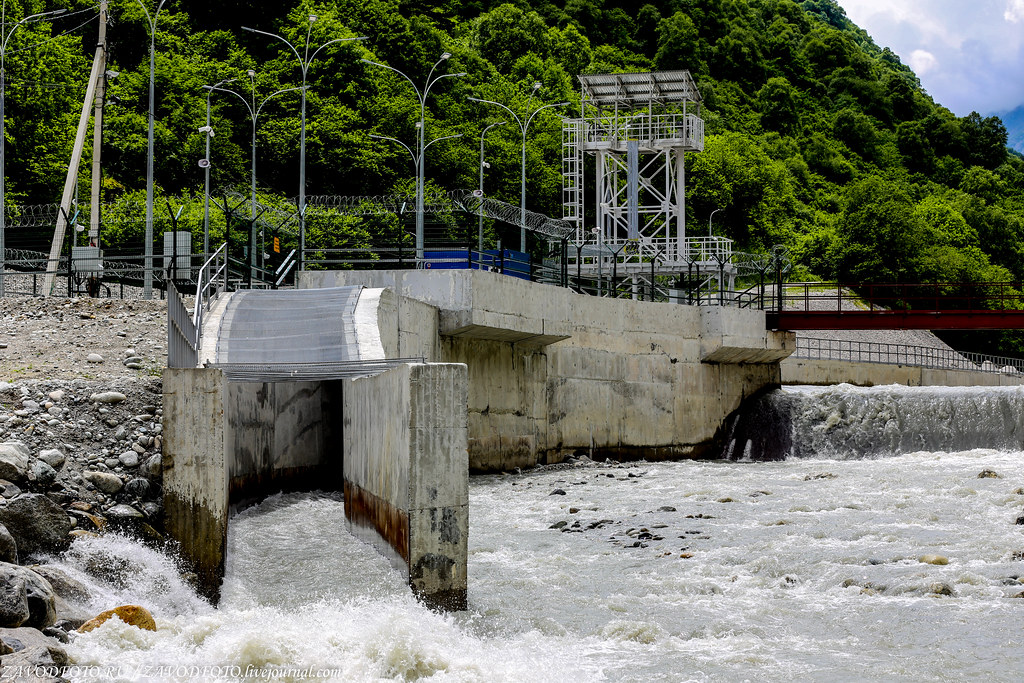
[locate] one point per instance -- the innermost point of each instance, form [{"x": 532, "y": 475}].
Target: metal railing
[
  {"x": 812, "y": 348},
  {"x": 687, "y": 128},
  {"x": 182, "y": 335},
  {"x": 970, "y": 296}
]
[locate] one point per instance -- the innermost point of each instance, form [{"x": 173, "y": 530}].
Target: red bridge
[{"x": 824, "y": 306}]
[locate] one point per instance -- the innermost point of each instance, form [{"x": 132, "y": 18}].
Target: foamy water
[{"x": 805, "y": 569}]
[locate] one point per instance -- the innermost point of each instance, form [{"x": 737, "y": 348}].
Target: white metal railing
[
  {"x": 687, "y": 128},
  {"x": 212, "y": 281},
  {"x": 624, "y": 252}
]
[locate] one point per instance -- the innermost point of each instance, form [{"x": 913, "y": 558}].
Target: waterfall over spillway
[{"x": 847, "y": 422}]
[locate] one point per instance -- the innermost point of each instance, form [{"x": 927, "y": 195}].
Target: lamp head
[
  {"x": 252, "y": 74},
  {"x": 446, "y": 55},
  {"x": 312, "y": 18},
  {"x": 536, "y": 85}
]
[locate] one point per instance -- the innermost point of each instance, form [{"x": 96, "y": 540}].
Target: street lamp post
[
  {"x": 480, "y": 227},
  {"x": 3, "y": 85},
  {"x": 147, "y": 290},
  {"x": 524, "y": 125},
  {"x": 305, "y": 60},
  {"x": 709, "y": 220},
  {"x": 254, "y": 113},
  {"x": 208, "y": 130},
  {"x": 421, "y": 138}
]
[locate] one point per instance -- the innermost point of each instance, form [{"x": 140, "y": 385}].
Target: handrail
[
  {"x": 814, "y": 348},
  {"x": 214, "y": 268}
]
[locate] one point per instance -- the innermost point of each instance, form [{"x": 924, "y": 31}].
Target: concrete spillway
[{"x": 393, "y": 438}]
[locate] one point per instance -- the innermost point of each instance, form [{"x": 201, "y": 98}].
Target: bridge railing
[
  {"x": 812, "y": 348},
  {"x": 969, "y": 296}
]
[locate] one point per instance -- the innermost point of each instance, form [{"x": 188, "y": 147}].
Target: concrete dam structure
[{"x": 393, "y": 385}]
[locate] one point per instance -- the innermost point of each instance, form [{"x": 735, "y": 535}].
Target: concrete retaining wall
[
  {"x": 828, "y": 372},
  {"x": 552, "y": 372},
  {"x": 394, "y": 443}
]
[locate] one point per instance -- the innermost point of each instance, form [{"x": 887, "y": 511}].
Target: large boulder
[
  {"x": 26, "y": 649},
  {"x": 36, "y": 522},
  {"x": 26, "y": 598},
  {"x": 14, "y": 457},
  {"x": 133, "y": 615},
  {"x": 8, "y": 546},
  {"x": 70, "y": 595}
]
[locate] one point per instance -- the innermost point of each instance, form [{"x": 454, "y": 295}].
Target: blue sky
[{"x": 969, "y": 54}]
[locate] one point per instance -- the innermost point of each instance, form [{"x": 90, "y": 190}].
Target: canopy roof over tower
[{"x": 633, "y": 91}]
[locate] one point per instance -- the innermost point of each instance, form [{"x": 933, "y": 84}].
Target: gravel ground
[{"x": 58, "y": 338}]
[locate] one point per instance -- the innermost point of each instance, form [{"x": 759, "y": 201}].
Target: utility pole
[
  {"x": 72, "y": 176},
  {"x": 97, "y": 133}
]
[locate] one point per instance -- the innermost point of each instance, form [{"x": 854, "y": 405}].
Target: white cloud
[
  {"x": 1014, "y": 11},
  {"x": 969, "y": 55},
  {"x": 922, "y": 61}
]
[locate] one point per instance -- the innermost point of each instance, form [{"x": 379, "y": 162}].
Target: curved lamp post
[
  {"x": 147, "y": 291},
  {"x": 305, "y": 59},
  {"x": 709, "y": 220},
  {"x": 3, "y": 84},
  {"x": 524, "y": 125},
  {"x": 480, "y": 225},
  {"x": 421, "y": 137},
  {"x": 254, "y": 114}
]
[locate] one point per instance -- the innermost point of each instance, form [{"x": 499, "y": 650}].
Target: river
[{"x": 808, "y": 569}]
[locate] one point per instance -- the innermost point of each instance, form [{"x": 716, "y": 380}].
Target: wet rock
[
  {"x": 1020, "y": 520},
  {"x": 9, "y": 489},
  {"x": 820, "y": 475},
  {"x": 940, "y": 588},
  {"x": 989, "y": 474},
  {"x": 726, "y": 500},
  {"x": 558, "y": 525},
  {"x": 104, "y": 481},
  {"x": 153, "y": 467},
  {"x": 62, "y": 583},
  {"x": 573, "y": 511},
  {"x": 666, "y": 508},
  {"x": 28, "y": 649},
  {"x": 26, "y": 598},
  {"x": 933, "y": 559},
  {"x": 8, "y": 546},
  {"x": 14, "y": 457},
  {"x": 557, "y": 492},
  {"x": 36, "y": 522},
  {"x": 107, "y": 397},
  {"x": 137, "y": 488},
  {"x": 133, "y": 615}
]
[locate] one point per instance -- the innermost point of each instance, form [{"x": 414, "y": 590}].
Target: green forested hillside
[{"x": 816, "y": 137}]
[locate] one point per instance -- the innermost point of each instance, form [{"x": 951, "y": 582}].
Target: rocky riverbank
[{"x": 80, "y": 449}]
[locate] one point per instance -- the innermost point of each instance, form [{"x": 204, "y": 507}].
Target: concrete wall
[
  {"x": 406, "y": 467},
  {"x": 552, "y": 372},
  {"x": 395, "y": 443},
  {"x": 827, "y": 372}
]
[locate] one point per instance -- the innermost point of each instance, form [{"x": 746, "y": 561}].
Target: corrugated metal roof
[{"x": 639, "y": 89}]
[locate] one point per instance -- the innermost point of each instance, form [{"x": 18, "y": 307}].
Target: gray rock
[
  {"x": 52, "y": 457},
  {"x": 62, "y": 583},
  {"x": 129, "y": 459},
  {"x": 31, "y": 406},
  {"x": 107, "y": 397},
  {"x": 56, "y": 395},
  {"x": 94, "y": 358},
  {"x": 137, "y": 487},
  {"x": 14, "y": 457},
  {"x": 104, "y": 481},
  {"x": 36, "y": 522},
  {"x": 42, "y": 474},
  {"x": 123, "y": 512},
  {"x": 26, "y": 598},
  {"x": 153, "y": 467},
  {"x": 8, "y": 489},
  {"x": 8, "y": 546},
  {"x": 940, "y": 588},
  {"x": 138, "y": 448},
  {"x": 30, "y": 649}
]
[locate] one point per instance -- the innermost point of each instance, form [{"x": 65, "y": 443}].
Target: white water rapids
[{"x": 806, "y": 569}]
